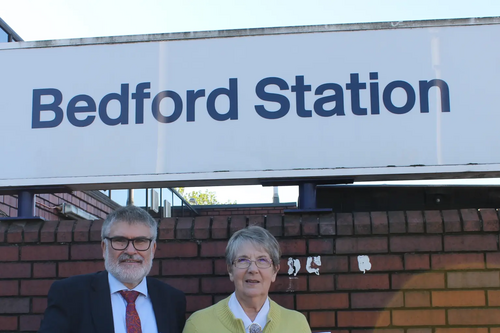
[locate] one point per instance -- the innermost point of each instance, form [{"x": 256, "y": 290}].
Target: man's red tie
[{"x": 133, "y": 320}]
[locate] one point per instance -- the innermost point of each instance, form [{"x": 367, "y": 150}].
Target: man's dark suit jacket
[{"x": 82, "y": 304}]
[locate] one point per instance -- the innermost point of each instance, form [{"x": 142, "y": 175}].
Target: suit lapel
[
  {"x": 160, "y": 307},
  {"x": 100, "y": 303}
]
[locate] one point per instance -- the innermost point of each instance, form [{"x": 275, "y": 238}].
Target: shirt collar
[
  {"x": 115, "y": 285},
  {"x": 239, "y": 313}
]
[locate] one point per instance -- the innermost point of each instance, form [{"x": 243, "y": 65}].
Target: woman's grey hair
[
  {"x": 257, "y": 236},
  {"x": 131, "y": 215}
]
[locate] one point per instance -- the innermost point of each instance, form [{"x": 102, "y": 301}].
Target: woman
[{"x": 252, "y": 258}]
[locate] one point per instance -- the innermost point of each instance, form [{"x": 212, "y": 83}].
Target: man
[{"x": 120, "y": 299}]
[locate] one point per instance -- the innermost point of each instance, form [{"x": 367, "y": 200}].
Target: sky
[{"x": 64, "y": 19}]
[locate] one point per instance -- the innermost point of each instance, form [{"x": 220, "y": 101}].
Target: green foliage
[{"x": 202, "y": 197}]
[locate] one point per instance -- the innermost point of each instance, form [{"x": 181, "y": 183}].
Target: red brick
[
  {"x": 417, "y": 299},
  {"x": 383, "y": 330},
  {"x": 44, "y": 270},
  {"x": 416, "y": 261},
  {"x": 86, "y": 251},
  {"x": 67, "y": 269},
  {"x": 95, "y": 230},
  {"x": 292, "y": 225},
  {"x": 380, "y": 299},
  {"x": 14, "y": 305},
  {"x": 452, "y": 298},
  {"x": 397, "y": 222},
  {"x": 310, "y": 225},
  {"x": 9, "y": 288},
  {"x": 186, "y": 284},
  {"x": 418, "y": 317},
  {"x": 415, "y": 243},
  {"x": 39, "y": 304},
  {"x": 380, "y": 263},
  {"x": 320, "y": 246},
  {"x": 212, "y": 285},
  {"x": 415, "y": 221},
  {"x": 362, "y": 223},
  {"x": 187, "y": 267},
  {"x": 322, "y": 301},
  {"x": 176, "y": 250},
  {"x": 488, "y": 279},
  {"x": 197, "y": 302},
  {"x": 64, "y": 232},
  {"x": 327, "y": 225},
  {"x": 345, "y": 224},
  {"x": 35, "y": 287},
  {"x": 286, "y": 301},
  {"x": 334, "y": 264},
  {"x": 201, "y": 228},
  {"x": 45, "y": 252},
  {"x": 274, "y": 224},
  {"x": 321, "y": 282},
  {"x": 9, "y": 253},
  {"x": 418, "y": 281},
  {"x": 48, "y": 231},
  {"x": 15, "y": 232},
  {"x": 293, "y": 247},
  {"x": 256, "y": 220},
  {"x": 289, "y": 284},
  {"x": 184, "y": 228},
  {"x": 380, "y": 224},
  {"x": 30, "y": 322},
  {"x": 220, "y": 267},
  {"x": 362, "y": 281},
  {"x": 220, "y": 227},
  {"x": 493, "y": 260},
  {"x": 213, "y": 249},
  {"x": 322, "y": 319},
  {"x": 361, "y": 245},
  {"x": 464, "y": 330},
  {"x": 363, "y": 318},
  {"x": 490, "y": 219},
  {"x": 474, "y": 316},
  {"x": 166, "y": 228},
  {"x": 483, "y": 242},
  {"x": 471, "y": 219},
  {"x": 15, "y": 270},
  {"x": 32, "y": 232},
  {"x": 433, "y": 221},
  {"x": 493, "y": 297},
  {"x": 453, "y": 261},
  {"x": 82, "y": 231},
  {"x": 237, "y": 223},
  {"x": 452, "y": 221},
  {"x": 8, "y": 323}
]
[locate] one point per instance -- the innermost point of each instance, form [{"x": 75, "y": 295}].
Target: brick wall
[
  {"x": 46, "y": 205},
  {"x": 431, "y": 271}
]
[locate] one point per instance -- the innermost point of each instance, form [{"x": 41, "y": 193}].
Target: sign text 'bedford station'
[{"x": 329, "y": 100}]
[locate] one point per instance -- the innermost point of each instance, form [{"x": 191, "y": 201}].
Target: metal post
[
  {"x": 25, "y": 204},
  {"x": 307, "y": 196}
]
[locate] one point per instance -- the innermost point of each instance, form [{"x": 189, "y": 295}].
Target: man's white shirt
[{"x": 143, "y": 306}]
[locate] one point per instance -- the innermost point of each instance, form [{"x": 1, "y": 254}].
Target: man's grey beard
[{"x": 130, "y": 276}]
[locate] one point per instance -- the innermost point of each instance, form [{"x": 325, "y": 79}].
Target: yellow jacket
[{"x": 218, "y": 318}]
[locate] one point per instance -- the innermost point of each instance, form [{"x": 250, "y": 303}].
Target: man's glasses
[
  {"x": 121, "y": 243},
  {"x": 245, "y": 263}
]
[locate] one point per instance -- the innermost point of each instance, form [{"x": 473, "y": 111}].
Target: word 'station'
[
  {"x": 312, "y": 265},
  {"x": 364, "y": 264},
  {"x": 167, "y": 106}
]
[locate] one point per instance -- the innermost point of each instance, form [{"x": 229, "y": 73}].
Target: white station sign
[{"x": 368, "y": 104}]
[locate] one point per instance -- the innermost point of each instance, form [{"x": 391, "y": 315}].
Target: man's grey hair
[
  {"x": 131, "y": 215},
  {"x": 258, "y": 236}
]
